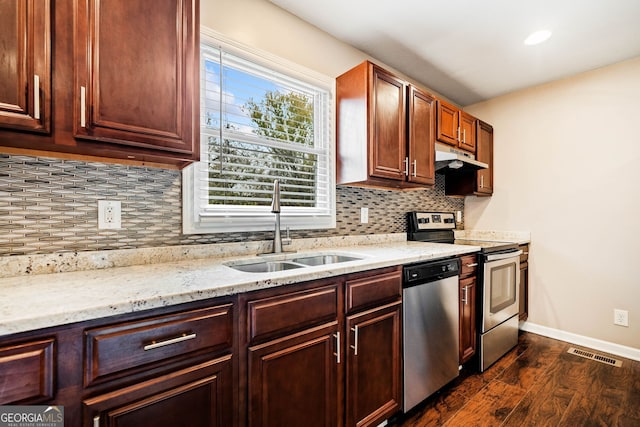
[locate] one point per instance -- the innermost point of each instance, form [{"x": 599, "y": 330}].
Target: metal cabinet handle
[
  {"x": 464, "y": 136},
  {"x": 36, "y": 97},
  {"x": 355, "y": 340},
  {"x": 415, "y": 168},
  {"x": 458, "y": 139},
  {"x": 466, "y": 295},
  {"x": 337, "y": 353},
  {"x": 183, "y": 337},
  {"x": 406, "y": 166},
  {"x": 96, "y": 421},
  {"x": 481, "y": 181},
  {"x": 83, "y": 106},
  {"x": 525, "y": 253},
  {"x": 475, "y": 264}
]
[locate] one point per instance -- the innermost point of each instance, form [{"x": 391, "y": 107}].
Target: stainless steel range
[{"x": 498, "y": 282}]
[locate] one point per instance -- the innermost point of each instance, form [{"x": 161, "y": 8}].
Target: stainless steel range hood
[{"x": 451, "y": 160}]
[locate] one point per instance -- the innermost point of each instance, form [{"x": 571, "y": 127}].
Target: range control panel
[{"x": 433, "y": 220}]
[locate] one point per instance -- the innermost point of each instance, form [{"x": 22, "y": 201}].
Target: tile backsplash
[{"x": 50, "y": 205}]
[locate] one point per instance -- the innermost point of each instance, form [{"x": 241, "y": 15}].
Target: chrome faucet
[{"x": 275, "y": 208}]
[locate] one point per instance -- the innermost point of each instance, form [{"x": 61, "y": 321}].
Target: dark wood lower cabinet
[
  {"x": 27, "y": 372},
  {"x": 467, "y": 318},
  {"x": 199, "y": 396},
  {"x": 374, "y": 365},
  {"x": 293, "y": 380}
]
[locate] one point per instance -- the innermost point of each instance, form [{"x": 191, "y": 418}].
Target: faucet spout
[{"x": 275, "y": 208}]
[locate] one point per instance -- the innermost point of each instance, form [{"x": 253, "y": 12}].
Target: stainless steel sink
[
  {"x": 268, "y": 266},
  {"x": 265, "y": 266},
  {"x": 324, "y": 259}
]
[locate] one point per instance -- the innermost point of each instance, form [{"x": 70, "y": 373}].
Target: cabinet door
[
  {"x": 447, "y": 123},
  {"x": 467, "y": 132},
  {"x": 27, "y": 372},
  {"x": 421, "y": 137},
  {"x": 467, "y": 318},
  {"x": 373, "y": 386},
  {"x": 484, "y": 184},
  {"x": 387, "y": 151},
  {"x": 25, "y": 65},
  {"x": 136, "y": 73},
  {"x": 199, "y": 396},
  {"x": 293, "y": 380}
]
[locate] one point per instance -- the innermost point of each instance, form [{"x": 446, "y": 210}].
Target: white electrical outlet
[
  {"x": 364, "y": 215},
  {"x": 458, "y": 216},
  {"x": 620, "y": 317},
  {"x": 109, "y": 214}
]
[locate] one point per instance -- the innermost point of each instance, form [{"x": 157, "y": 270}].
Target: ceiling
[{"x": 470, "y": 50}]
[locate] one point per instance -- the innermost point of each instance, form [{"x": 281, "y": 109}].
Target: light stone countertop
[
  {"x": 519, "y": 237},
  {"x": 29, "y": 302}
]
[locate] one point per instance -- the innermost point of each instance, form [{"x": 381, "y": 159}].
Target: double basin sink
[{"x": 301, "y": 261}]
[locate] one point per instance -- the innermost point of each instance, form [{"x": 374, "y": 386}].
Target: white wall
[
  {"x": 262, "y": 25},
  {"x": 567, "y": 168}
]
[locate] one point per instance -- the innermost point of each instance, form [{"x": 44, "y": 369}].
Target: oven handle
[{"x": 496, "y": 257}]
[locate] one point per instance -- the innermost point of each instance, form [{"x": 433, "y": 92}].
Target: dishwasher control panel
[{"x": 415, "y": 274}]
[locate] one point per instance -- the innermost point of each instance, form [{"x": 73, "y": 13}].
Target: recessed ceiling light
[{"x": 537, "y": 37}]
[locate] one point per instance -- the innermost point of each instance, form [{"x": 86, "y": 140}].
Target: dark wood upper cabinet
[
  {"x": 25, "y": 65},
  {"x": 478, "y": 183},
  {"x": 484, "y": 179},
  {"x": 421, "y": 136},
  {"x": 117, "y": 80},
  {"x": 378, "y": 143},
  {"x": 455, "y": 127},
  {"x": 447, "y": 123},
  {"x": 136, "y": 77}
]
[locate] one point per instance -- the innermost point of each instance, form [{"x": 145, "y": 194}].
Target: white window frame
[{"x": 198, "y": 219}]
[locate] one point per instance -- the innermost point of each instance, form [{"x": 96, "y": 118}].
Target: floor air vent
[{"x": 597, "y": 357}]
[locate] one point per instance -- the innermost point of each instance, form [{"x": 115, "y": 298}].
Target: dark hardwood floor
[{"x": 536, "y": 384}]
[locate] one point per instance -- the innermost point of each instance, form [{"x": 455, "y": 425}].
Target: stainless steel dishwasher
[{"x": 430, "y": 328}]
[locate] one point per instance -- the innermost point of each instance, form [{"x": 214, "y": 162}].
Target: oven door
[{"x": 501, "y": 288}]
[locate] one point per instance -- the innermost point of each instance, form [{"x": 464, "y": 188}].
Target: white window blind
[{"x": 259, "y": 124}]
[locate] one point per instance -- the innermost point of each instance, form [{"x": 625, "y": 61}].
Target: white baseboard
[{"x": 592, "y": 343}]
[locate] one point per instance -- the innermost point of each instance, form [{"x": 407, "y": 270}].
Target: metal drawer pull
[
  {"x": 525, "y": 253},
  {"x": 183, "y": 337},
  {"x": 355, "y": 340},
  {"x": 475, "y": 264},
  {"x": 96, "y": 421},
  {"x": 36, "y": 97},
  {"x": 83, "y": 106},
  {"x": 337, "y": 353}
]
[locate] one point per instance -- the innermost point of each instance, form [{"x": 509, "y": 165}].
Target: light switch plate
[{"x": 364, "y": 215}]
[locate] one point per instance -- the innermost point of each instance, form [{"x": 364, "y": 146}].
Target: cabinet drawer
[
  {"x": 372, "y": 290},
  {"x": 292, "y": 311},
  {"x": 468, "y": 265},
  {"x": 117, "y": 348},
  {"x": 27, "y": 372}
]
